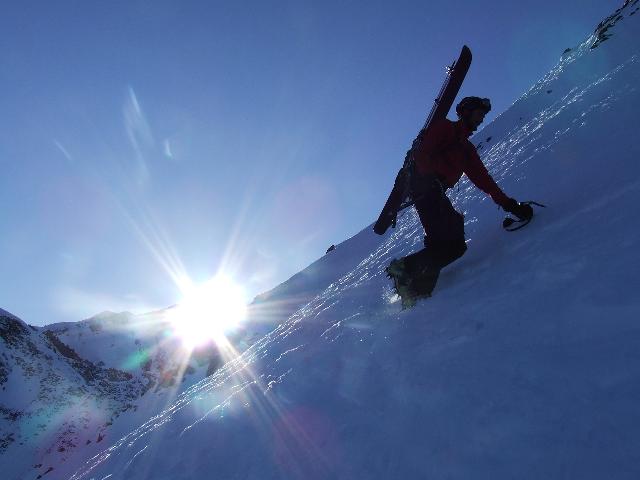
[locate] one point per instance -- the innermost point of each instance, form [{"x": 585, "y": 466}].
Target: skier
[{"x": 442, "y": 155}]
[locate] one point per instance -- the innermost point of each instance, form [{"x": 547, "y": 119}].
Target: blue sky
[{"x": 143, "y": 141}]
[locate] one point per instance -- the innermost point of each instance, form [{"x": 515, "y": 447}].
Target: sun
[{"x": 208, "y": 311}]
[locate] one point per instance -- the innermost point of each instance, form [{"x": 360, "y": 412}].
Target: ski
[{"x": 399, "y": 196}]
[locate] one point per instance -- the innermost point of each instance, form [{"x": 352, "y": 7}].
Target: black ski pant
[{"x": 443, "y": 227}]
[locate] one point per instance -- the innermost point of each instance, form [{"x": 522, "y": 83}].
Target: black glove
[{"x": 521, "y": 210}]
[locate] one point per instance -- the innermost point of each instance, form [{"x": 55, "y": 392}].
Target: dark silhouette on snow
[{"x": 443, "y": 155}]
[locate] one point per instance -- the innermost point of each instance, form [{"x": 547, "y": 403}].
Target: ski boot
[
  {"x": 401, "y": 282},
  {"x": 424, "y": 283},
  {"x": 411, "y": 288}
]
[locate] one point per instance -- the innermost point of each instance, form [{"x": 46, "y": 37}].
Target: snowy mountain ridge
[
  {"x": 63, "y": 385},
  {"x": 524, "y": 364},
  {"x": 42, "y": 378}
]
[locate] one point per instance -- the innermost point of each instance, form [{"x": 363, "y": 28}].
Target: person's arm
[{"x": 478, "y": 174}]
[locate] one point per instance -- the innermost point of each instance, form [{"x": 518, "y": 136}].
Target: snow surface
[
  {"x": 525, "y": 363},
  {"x": 133, "y": 343},
  {"x": 64, "y": 386}
]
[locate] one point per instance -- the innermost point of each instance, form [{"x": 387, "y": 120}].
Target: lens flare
[{"x": 208, "y": 311}]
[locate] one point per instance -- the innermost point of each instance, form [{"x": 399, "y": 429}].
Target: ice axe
[{"x": 508, "y": 223}]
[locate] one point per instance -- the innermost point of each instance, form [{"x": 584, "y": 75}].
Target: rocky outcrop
[
  {"x": 64, "y": 386},
  {"x": 603, "y": 30}
]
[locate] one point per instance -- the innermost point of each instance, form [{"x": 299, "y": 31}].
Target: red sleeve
[
  {"x": 478, "y": 174},
  {"x": 437, "y": 135}
]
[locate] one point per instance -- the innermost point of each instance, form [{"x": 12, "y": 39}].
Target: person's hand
[{"x": 521, "y": 210}]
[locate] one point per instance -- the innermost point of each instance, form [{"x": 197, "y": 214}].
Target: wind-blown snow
[{"x": 524, "y": 364}]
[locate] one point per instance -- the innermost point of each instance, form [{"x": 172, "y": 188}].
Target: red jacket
[{"x": 447, "y": 152}]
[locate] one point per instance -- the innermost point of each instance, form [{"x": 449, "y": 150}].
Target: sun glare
[{"x": 208, "y": 311}]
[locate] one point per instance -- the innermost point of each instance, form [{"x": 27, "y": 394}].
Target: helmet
[{"x": 473, "y": 103}]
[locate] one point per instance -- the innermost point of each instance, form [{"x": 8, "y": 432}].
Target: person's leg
[
  {"x": 448, "y": 248},
  {"x": 427, "y": 191},
  {"x": 444, "y": 240}
]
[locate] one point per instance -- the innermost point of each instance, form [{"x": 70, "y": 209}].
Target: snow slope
[
  {"x": 66, "y": 388},
  {"x": 52, "y": 398},
  {"x": 525, "y": 363},
  {"x": 139, "y": 344}
]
